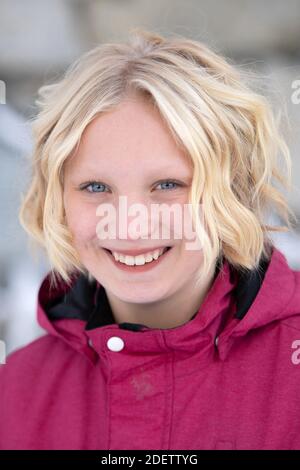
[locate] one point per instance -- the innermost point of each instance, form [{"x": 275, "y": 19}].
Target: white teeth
[{"x": 140, "y": 259}]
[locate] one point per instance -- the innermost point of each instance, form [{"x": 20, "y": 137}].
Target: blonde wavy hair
[{"x": 228, "y": 130}]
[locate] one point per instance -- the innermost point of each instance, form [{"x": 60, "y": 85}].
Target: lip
[
  {"x": 138, "y": 269},
  {"x": 136, "y": 252}
]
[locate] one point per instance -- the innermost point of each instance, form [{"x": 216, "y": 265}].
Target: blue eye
[
  {"x": 169, "y": 182},
  {"x": 95, "y": 185}
]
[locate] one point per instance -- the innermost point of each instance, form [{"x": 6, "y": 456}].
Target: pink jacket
[{"x": 227, "y": 379}]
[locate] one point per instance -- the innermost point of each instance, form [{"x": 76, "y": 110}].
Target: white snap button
[
  {"x": 216, "y": 340},
  {"x": 115, "y": 343},
  {"x": 90, "y": 342}
]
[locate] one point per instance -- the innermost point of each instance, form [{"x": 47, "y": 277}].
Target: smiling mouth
[
  {"x": 165, "y": 250},
  {"x": 136, "y": 266}
]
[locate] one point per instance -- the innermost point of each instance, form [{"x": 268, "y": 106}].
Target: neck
[{"x": 170, "y": 312}]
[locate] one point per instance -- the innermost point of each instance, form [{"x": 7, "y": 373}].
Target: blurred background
[{"x": 39, "y": 39}]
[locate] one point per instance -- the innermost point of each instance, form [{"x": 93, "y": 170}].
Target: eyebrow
[
  {"x": 164, "y": 172},
  {"x": 154, "y": 177}
]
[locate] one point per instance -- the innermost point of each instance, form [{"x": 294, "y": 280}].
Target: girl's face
[{"x": 129, "y": 152}]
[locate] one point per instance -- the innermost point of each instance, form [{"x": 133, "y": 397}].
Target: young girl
[{"x": 151, "y": 343}]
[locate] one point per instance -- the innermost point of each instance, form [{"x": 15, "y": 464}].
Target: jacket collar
[
  {"x": 87, "y": 300},
  {"x": 234, "y": 304}
]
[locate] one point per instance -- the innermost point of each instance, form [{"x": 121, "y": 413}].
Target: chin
[{"x": 140, "y": 296}]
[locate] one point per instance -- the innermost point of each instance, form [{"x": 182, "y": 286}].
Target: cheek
[
  {"x": 192, "y": 258},
  {"x": 81, "y": 223},
  {"x": 83, "y": 230}
]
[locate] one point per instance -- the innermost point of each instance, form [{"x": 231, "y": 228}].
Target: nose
[{"x": 134, "y": 219}]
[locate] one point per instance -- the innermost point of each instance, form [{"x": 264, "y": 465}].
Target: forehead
[{"x": 134, "y": 133}]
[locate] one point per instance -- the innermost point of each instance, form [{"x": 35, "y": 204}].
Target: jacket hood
[{"x": 236, "y": 303}]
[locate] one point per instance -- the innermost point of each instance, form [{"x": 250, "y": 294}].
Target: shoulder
[
  {"x": 292, "y": 316},
  {"x": 24, "y": 353},
  {"x": 29, "y": 359}
]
